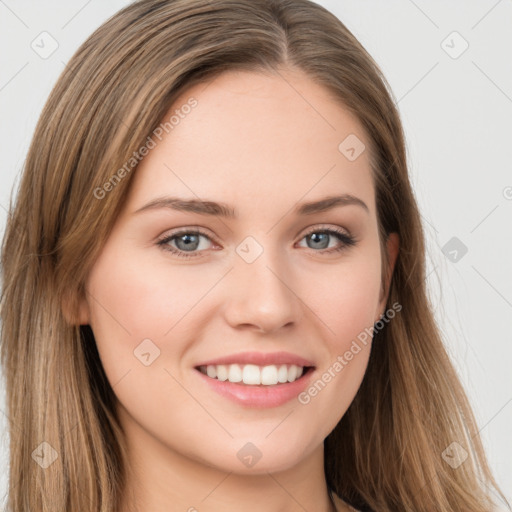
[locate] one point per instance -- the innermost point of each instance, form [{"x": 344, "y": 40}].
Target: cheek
[
  {"x": 131, "y": 304},
  {"x": 346, "y": 298},
  {"x": 347, "y": 309},
  {"x": 133, "y": 299}
]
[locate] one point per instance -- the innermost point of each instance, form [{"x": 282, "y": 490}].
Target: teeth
[
  {"x": 269, "y": 375},
  {"x": 234, "y": 373},
  {"x": 252, "y": 374},
  {"x": 222, "y": 372},
  {"x": 282, "y": 374}
]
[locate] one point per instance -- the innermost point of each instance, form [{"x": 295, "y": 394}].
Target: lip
[
  {"x": 259, "y": 359},
  {"x": 258, "y": 397}
]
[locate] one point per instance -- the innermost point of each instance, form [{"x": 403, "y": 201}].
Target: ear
[
  {"x": 75, "y": 309},
  {"x": 392, "y": 247}
]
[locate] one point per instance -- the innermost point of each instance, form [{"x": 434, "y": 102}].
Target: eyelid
[
  {"x": 186, "y": 230},
  {"x": 323, "y": 227}
]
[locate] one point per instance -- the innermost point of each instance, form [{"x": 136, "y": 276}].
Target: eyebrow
[{"x": 206, "y": 207}]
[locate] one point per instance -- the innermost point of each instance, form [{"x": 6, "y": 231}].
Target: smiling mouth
[{"x": 254, "y": 375}]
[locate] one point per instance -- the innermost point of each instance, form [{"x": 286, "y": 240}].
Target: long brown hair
[{"x": 386, "y": 452}]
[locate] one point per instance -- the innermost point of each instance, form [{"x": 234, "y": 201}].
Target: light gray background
[{"x": 457, "y": 115}]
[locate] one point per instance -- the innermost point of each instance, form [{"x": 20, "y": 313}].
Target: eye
[
  {"x": 186, "y": 243},
  {"x": 320, "y": 239}
]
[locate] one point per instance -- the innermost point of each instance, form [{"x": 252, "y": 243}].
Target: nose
[{"x": 261, "y": 295}]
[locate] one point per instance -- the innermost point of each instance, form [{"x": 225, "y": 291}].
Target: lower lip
[{"x": 258, "y": 396}]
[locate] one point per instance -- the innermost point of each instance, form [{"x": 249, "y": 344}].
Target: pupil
[
  {"x": 316, "y": 237},
  {"x": 187, "y": 240}
]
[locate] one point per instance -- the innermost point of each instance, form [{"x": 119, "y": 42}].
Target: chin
[{"x": 259, "y": 457}]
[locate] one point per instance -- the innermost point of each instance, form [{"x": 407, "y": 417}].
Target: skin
[{"x": 261, "y": 144}]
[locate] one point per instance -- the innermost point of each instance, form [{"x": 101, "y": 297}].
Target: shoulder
[{"x": 342, "y": 506}]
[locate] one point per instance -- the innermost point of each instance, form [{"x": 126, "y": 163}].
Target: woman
[{"x": 214, "y": 280}]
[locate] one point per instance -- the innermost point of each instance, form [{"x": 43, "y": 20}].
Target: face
[{"x": 277, "y": 290}]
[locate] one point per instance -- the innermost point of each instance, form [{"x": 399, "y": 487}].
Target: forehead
[{"x": 253, "y": 136}]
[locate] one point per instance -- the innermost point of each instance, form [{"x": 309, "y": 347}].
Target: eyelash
[{"x": 348, "y": 241}]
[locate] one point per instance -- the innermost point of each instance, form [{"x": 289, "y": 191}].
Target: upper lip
[{"x": 260, "y": 359}]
